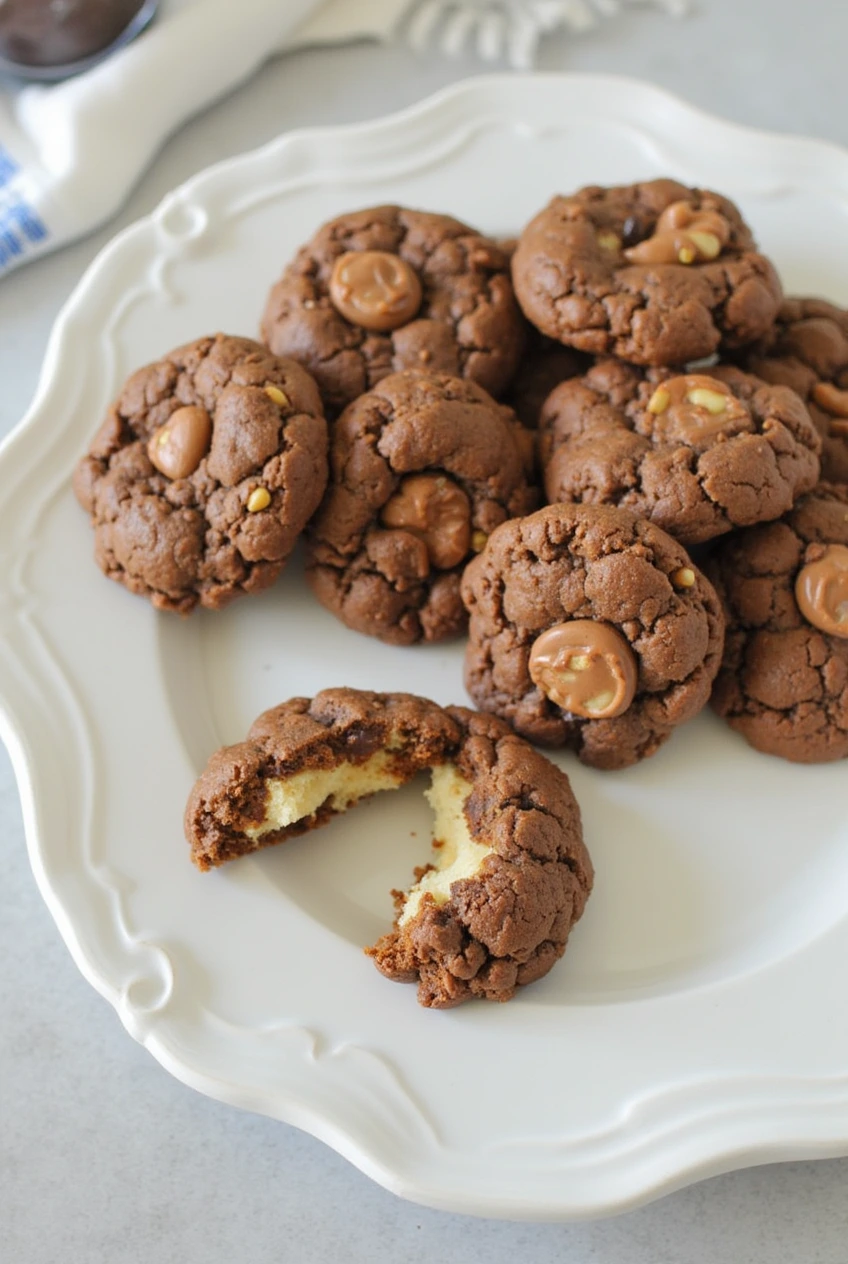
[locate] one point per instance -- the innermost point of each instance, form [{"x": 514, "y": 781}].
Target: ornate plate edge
[{"x": 177, "y": 220}]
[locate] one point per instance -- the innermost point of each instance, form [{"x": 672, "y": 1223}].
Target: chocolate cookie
[
  {"x": 206, "y": 469},
  {"x": 808, "y": 351},
  {"x": 590, "y": 628},
  {"x": 306, "y": 760},
  {"x": 510, "y": 874},
  {"x": 655, "y": 273},
  {"x": 783, "y": 683},
  {"x": 697, "y": 453},
  {"x": 423, "y": 468},
  {"x": 386, "y": 289}
]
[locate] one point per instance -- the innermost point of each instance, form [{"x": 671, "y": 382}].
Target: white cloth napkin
[{"x": 70, "y": 152}]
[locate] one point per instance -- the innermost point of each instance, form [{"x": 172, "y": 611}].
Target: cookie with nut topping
[
  {"x": 422, "y": 470},
  {"x": 654, "y": 273},
  {"x": 386, "y": 289},
  {"x": 783, "y": 682},
  {"x": 509, "y": 874},
  {"x": 203, "y": 474},
  {"x": 808, "y": 351},
  {"x": 697, "y": 453},
  {"x": 591, "y": 629}
]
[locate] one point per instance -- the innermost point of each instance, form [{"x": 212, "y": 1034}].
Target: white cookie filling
[
  {"x": 456, "y": 854},
  {"x": 293, "y": 798}
]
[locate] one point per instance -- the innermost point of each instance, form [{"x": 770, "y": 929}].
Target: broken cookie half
[{"x": 509, "y": 874}]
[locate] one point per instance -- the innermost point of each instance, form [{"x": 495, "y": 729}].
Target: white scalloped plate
[{"x": 698, "y": 1021}]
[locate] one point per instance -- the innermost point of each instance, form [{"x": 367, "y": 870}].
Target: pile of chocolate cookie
[
  {"x": 684, "y": 430},
  {"x": 659, "y": 396},
  {"x": 717, "y": 411}
]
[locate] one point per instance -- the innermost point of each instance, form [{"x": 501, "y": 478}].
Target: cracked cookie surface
[
  {"x": 783, "y": 683},
  {"x": 423, "y": 468},
  {"x": 467, "y": 322},
  {"x": 575, "y": 282},
  {"x": 808, "y": 351},
  {"x": 618, "y": 436},
  {"x": 204, "y": 472},
  {"x": 510, "y": 873},
  {"x": 595, "y": 564}
]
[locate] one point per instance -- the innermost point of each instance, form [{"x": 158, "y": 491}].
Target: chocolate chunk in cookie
[
  {"x": 590, "y": 628},
  {"x": 697, "y": 453},
  {"x": 423, "y": 468},
  {"x": 386, "y": 289},
  {"x": 509, "y": 874},
  {"x": 654, "y": 273},
  {"x": 783, "y": 682},
  {"x": 808, "y": 351},
  {"x": 204, "y": 473}
]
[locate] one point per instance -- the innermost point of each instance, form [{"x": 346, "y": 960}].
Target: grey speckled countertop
[{"x": 104, "y": 1158}]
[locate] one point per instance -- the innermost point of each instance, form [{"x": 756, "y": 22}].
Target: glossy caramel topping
[
  {"x": 683, "y": 235},
  {"x": 178, "y": 447},
  {"x": 587, "y": 668},
  {"x": 831, "y": 399},
  {"x": 821, "y": 589},
  {"x": 436, "y": 510},
  {"x": 375, "y": 289},
  {"x": 693, "y": 408}
]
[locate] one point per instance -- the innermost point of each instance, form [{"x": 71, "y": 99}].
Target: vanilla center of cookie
[
  {"x": 294, "y": 798},
  {"x": 456, "y": 854}
]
